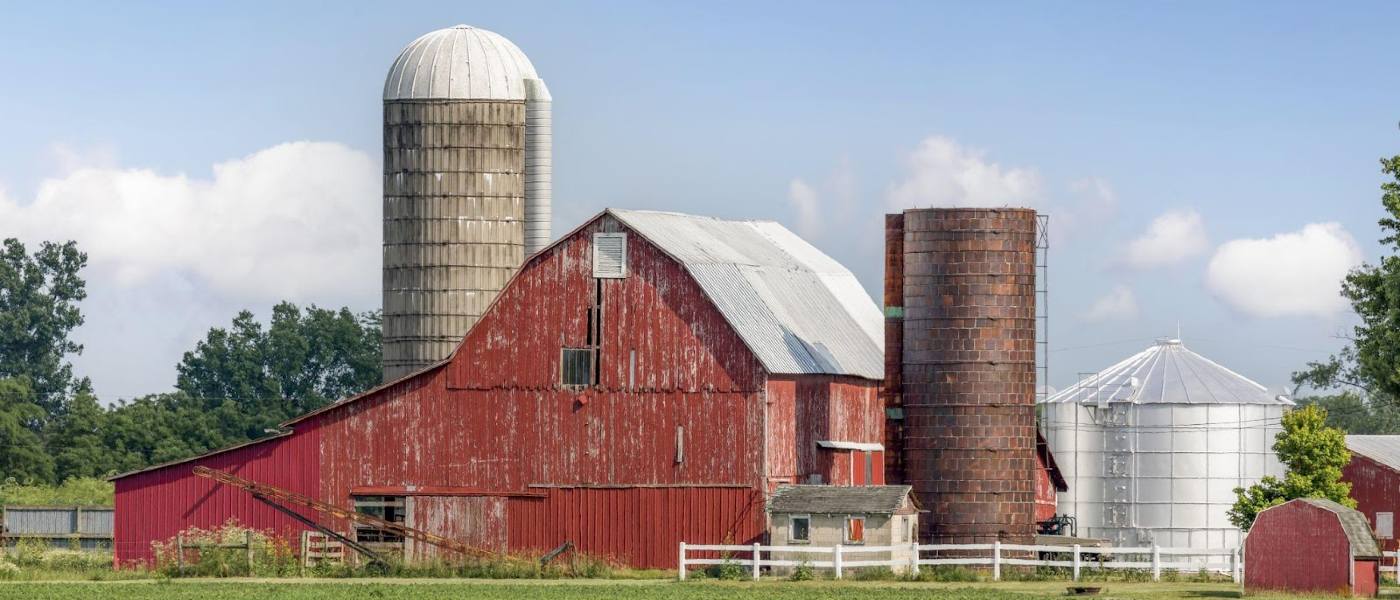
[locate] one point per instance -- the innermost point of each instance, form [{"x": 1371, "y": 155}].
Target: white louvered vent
[{"x": 610, "y": 255}]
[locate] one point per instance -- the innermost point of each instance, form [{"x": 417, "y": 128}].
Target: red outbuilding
[
  {"x": 1049, "y": 481},
  {"x": 1374, "y": 474},
  {"x": 649, "y": 378},
  {"x": 1311, "y": 545}
]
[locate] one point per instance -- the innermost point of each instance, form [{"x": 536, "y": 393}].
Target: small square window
[
  {"x": 576, "y": 367},
  {"x": 1385, "y": 525},
  {"x": 386, "y": 508},
  {"x": 855, "y": 530},
  {"x": 800, "y": 528}
]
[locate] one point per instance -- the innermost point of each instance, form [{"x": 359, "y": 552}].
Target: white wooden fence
[
  {"x": 839, "y": 558},
  {"x": 1393, "y": 567}
]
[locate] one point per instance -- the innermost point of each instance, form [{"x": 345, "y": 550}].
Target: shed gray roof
[
  {"x": 1358, "y": 530},
  {"x": 1167, "y": 373},
  {"x": 1384, "y": 449},
  {"x": 832, "y": 499},
  {"x": 796, "y": 308}
]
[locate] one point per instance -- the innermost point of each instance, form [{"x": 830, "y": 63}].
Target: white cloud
[
  {"x": 1171, "y": 238},
  {"x": 1290, "y": 274},
  {"x": 804, "y": 200},
  {"x": 1119, "y": 304},
  {"x": 945, "y": 173},
  {"x": 172, "y": 255},
  {"x": 295, "y": 221}
]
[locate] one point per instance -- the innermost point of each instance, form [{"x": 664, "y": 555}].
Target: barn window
[
  {"x": 610, "y": 255},
  {"x": 387, "y": 508},
  {"x": 1385, "y": 525},
  {"x": 576, "y": 367},
  {"x": 800, "y": 528},
  {"x": 855, "y": 530}
]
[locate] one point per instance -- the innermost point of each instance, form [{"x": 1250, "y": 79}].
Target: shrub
[
  {"x": 803, "y": 572},
  {"x": 9, "y": 570},
  {"x": 219, "y": 553}
]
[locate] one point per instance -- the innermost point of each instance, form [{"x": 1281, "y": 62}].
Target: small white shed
[{"x": 827, "y": 515}]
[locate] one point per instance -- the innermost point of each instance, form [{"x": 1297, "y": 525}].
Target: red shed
[
  {"x": 1374, "y": 475},
  {"x": 649, "y": 378},
  {"x": 1312, "y": 545}
]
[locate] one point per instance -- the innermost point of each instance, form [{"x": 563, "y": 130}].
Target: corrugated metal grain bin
[{"x": 1311, "y": 545}]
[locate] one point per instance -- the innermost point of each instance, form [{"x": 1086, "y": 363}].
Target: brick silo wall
[
  {"x": 894, "y": 344},
  {"x": 968, "y": 384}
]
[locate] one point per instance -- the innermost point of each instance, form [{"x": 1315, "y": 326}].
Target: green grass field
[{"x": 435, "y": 589}]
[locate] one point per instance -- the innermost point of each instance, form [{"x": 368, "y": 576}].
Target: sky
[{"x": 1208, "y": 168}]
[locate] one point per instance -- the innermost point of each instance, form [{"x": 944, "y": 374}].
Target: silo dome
[{"x": 459, "y": 63}]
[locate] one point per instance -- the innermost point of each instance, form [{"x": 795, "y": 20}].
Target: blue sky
[{"x": 1236, "y": 121}]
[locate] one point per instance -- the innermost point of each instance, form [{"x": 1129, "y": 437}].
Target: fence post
[
  {"x": 1156, "y": 562},
  {"x": 996, "y": 560},
  {"x": 755, "y": 561},
  {"x": 836, "y": 560},
  {"x": 682, "y": 562},
  {"x": 1076, "y": 562},
  {"x": 248, "y": 543},
  {"x": 180, "y": 553},
  {"x": 914, "y": 558}
]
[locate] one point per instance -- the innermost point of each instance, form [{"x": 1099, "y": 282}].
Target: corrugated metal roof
[
  {"x": 799, "y": 310},
  {"x": 832, "y": 499},
  {"x": 1358, "y": 530},
  {"x": 459, "y": 62},
  {"x": 1167, "y": 372},
  {"x": 1384, "y": 449}
]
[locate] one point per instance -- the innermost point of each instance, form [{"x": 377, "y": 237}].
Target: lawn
[{"x": 454, "y": 589}]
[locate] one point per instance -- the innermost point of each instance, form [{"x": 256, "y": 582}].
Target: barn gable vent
[{"x": 610, "y": 255}]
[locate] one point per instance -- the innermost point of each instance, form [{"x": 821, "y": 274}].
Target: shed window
[
  {"x": 1385, "y": 525},
  {"x": 576, "y": 367},
  {"x": 800, "y": 528},
  {"x": 855, "y": 530},
  {"x": 388, "y": 508}
]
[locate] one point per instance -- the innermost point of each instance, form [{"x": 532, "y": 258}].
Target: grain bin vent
[{"x": 610, "y": 255}]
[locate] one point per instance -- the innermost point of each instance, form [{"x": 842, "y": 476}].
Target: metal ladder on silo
[{"x": 1118, "y": 469}]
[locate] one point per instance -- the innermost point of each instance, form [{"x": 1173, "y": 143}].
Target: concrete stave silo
[
  {"x": 967, "y": 388},
  {"x": 467, "y": 186},
  {"x": 1153, "y": 447}
]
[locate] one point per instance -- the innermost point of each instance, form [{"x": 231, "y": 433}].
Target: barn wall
[
  {"x": 1044, "y": 494},
  {"x": 1297, "y": 547},
  {"x": 1373, "y": 485},
  {"x": 639, "y": 526},
  {"x": 479, "y": 521},
  {"x": 827, "y": 408},
  {"x": 153, "y": 506}
]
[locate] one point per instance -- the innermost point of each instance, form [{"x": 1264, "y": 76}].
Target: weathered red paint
[
  {"x": 683, "y": 445},
  {"x": 1298, "y": 547},
  {"x": 1048, "y": 480},
  {"x": 1374, "y": 487}
]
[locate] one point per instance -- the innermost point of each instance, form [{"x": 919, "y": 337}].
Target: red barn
[
  {"x": 1311, "y": 545},
  {"x": 1049, "y": 481},
  {"x": 649, "y": 378},
  {"x": 1374, "y": 475}
]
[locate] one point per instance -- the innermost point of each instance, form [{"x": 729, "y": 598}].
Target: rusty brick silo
[{"x": 967, "y": 386}]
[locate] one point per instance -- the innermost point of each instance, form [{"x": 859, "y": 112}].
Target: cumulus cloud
[
  {"x": 942, "y": 172},
  {"x": 1290, "y": 274},
  {"x": 1171, "y": 238},
  {"x": 172, "y": 255},
  {"x": 807, "y": 205},
  {"x": 295, "y": 221},
  {"x": 1119, "y": 304}
]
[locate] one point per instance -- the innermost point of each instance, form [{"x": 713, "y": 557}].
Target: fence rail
[{"x": 1076, "y": 558}]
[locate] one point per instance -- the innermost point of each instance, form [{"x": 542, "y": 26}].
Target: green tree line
[{"x": 237, "y": 383}]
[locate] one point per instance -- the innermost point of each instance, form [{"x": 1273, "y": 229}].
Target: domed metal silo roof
[
  {"x": 1167, "y": 373},
  {"x": 459, "y": 63}
]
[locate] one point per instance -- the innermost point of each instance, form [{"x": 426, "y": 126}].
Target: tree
[
  {"x": 22, "y": 455},
  {"x": 39, "y": 297},
  {"x": 1351, "y": 413},
  {"x": 254, "y": 379},
  {"x": 74, "y": 439},
  {"x": 1313, "y": 455}
]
